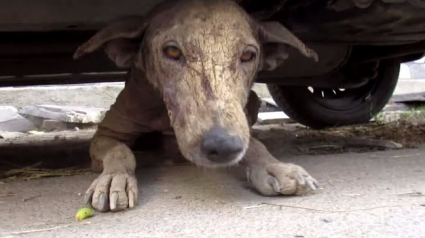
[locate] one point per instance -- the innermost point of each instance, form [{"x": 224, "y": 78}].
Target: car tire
[{"x": 323, "y": 107}]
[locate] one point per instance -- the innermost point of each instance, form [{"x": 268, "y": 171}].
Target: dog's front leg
[
  {"x": 138, "y": 109},
  {"x": 116, "y": 188}
]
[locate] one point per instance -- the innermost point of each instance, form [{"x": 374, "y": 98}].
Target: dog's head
[{"x": 203, "y": 57}]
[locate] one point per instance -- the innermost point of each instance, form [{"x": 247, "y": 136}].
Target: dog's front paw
[
  {"x": 278, "y": 178},
  {"x": 112, "y": 192}
]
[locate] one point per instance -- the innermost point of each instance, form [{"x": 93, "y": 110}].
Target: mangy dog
[{"x": 191, "y": 66}]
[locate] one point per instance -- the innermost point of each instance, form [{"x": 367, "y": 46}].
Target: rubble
[
  {"x": 11, "y": 121},
  {"x": 273, "y": 118},
  {"x": 70, "y": 114}
]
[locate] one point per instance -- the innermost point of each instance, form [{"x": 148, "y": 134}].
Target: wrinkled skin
[
  {"x": 203, "y": 95},
  {"x": 194, "y": 90}
]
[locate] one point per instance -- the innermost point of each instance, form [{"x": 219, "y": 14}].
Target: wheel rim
[{"x": 341, "y": 99}]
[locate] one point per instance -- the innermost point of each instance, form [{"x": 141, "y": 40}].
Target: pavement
[
  {"x": 406, "y": 86},
  {"x": 370, "y": 194}
]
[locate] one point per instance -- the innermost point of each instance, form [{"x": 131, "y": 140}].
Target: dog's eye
[
  {"x": 247, "y": 56},
  {"x": 173, "y": 52}
]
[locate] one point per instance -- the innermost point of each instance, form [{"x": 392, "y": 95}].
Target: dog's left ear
[{"x": 275, "y": 39}]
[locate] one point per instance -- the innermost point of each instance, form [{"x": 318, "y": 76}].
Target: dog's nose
[{"x": 219, "y": 146}]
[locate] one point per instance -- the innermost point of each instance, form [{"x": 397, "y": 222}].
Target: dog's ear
[
  {"x": 123, "y": 52},
  {"x": 275, "y": 39},
  {"x": 118, "y": 38}
]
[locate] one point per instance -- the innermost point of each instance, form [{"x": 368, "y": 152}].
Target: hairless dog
[{"x": 191, "y": 65}]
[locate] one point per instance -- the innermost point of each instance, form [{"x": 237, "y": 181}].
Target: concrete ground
[{"x": 364, "y": 195}]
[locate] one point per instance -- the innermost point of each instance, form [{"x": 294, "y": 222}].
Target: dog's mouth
[
  {"x": 215, "y": 151},
  {"x": 202, "y": 160}
]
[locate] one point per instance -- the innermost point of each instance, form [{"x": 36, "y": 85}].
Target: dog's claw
[
  {"x": 102, "y": 202},
  {"x": 312, "y": 184},
  {"x": 113, "y": 200},
  {"x": 274, "y": 183},
  {"x": 88, "y": 196},
  {"x": 300, "y": 178},
  {"x": 131, "y": 199}
]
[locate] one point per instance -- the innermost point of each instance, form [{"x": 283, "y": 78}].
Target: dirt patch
[
  {"x": 410, "y": 135},
  {"x": 294, "y": 139},
  {"x": 32, "y": 172}
]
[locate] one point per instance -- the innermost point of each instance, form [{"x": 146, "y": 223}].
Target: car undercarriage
[{"x": 360, "y": 43}]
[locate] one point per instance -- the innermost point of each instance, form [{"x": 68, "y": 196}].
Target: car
[{"x": 360, "y": 43}]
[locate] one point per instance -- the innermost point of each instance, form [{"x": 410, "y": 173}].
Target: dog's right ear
[
  {"x": 275, "y": 39},
  {"x": 118, "y": 40}
]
